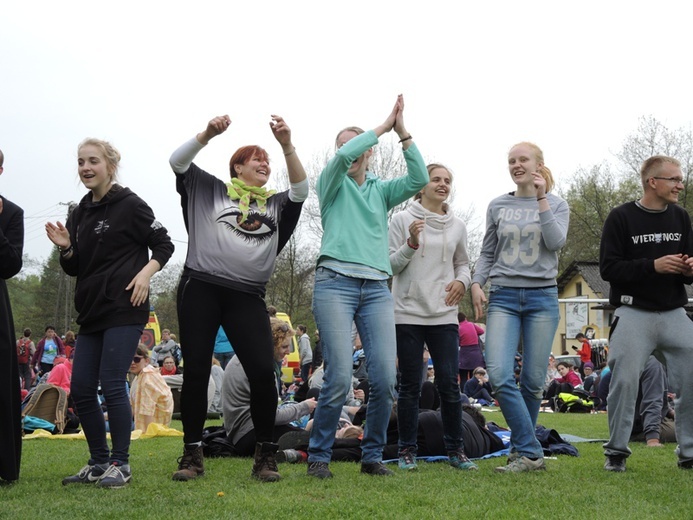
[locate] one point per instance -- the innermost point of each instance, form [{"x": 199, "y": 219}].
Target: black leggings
[{"x": 202, "y": 308}]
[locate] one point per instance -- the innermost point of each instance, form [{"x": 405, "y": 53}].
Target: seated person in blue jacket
[{"x": 478, "y": 387}]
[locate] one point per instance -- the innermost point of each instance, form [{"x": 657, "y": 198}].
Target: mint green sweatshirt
[{"x": 354, "y": 218}]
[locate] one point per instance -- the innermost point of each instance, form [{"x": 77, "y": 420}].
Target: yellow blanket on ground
[{"x": 153, "y": 430}]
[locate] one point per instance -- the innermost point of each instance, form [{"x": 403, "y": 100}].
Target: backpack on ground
[
  {"x": 572, "y": 403},
  {"x": 48, "y": 402}
]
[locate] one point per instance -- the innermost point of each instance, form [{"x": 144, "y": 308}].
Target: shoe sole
[
  {"x": 473, "y": 467},
  {"x": 615, "y": 470},
  {"x": 321, "y": 475},
  {"x": 503, "y": 470},
  {"x": 267, "y": 479},
  {"x": 119, "y": 486},
  {"x": 293, "y": 440},
  {"x": 182, "y": 478},
  {"x": 381, "y": 472}
]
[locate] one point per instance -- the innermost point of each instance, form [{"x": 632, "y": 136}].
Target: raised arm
[
  {"x": 330, "y": 180},
  {"x": 282, "y": 133},
  {"x": 400, "y": 189},
  {"x": 297, "y": 175},
  {"x": 183, "y": 157},
  {"x": 391, "y": 120},
  {"x": 404, "y": 136}
]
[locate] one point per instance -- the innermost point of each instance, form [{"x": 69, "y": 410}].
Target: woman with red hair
[{"x": 236, "y": 229}]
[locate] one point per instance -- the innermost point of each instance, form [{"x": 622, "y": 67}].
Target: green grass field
[{"x": 572, "y": 487}]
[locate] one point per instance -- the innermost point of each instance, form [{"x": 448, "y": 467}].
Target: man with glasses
[{"x": 644, "y": 254}]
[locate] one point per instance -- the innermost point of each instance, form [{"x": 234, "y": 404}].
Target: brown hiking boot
[
  {"x": 265, "y": 467},
  {"x": 191, "y": 465}
]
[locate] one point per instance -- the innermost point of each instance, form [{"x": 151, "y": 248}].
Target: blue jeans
[
  {"x": 338, "y": 301},
  {"x": 531, "y": 315},
  {"x": 105, "y": 356},
  {"x": 223, "y": 358},
  {"x": 442, "y": 342}
]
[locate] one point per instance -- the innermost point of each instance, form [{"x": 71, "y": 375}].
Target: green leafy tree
[
  {"x": 592, "y": 194},
  {"x": 26, "y": 305},
  {"x": 290, "y": 288},
  {"x": 57, "y": 294}
]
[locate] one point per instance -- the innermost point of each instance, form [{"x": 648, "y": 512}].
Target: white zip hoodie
[{"x": 421, "y": 275}]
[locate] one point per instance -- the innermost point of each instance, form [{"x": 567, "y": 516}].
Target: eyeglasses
[
  {"x": 675, "y": 180},
  {"x": 137, "y": 359},
  {"x": 283, "y": 327}
]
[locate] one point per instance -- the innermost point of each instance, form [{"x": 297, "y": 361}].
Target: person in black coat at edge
[{"x": 11, "y": 246}]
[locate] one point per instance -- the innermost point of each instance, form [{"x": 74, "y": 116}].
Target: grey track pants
[{"x": 635, "y": 334}]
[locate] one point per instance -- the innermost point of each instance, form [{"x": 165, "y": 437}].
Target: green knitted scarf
[{"x": 244, "y": 194}]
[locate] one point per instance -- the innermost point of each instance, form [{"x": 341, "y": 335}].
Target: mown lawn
[{"x": 573, "y": 487}]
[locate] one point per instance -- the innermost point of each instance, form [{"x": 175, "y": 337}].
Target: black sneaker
[
  {"x": 89, "y": 474},
  {"x": 319, "y": 470},
  {"x": 115, "y": 477},
  {"x": 615, "y": 463},
  {"x": 376, "y": 468}
]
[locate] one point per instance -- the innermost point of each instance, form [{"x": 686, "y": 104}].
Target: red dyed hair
[{"x": 244, "y": 154}]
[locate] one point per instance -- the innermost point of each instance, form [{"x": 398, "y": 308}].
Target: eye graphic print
[{"x": 255, "y": 229}]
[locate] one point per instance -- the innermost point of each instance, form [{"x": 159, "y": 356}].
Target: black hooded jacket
[{"x": 111, "y": 240}]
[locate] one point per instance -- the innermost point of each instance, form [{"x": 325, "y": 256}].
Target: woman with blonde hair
[
  {"x": 525, "y": 229},
  {"x": 105, "y": 243},
  {"x": 351, "y": 284}
]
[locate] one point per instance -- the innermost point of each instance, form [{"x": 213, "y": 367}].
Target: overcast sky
[{"x": 148, "y": 75}]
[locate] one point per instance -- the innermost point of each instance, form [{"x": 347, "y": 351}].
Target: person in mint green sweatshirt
[
  {"x": 525, "y": 229},
  {"x": 351, "y": 285}
]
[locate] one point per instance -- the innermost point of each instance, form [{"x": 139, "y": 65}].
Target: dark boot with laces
[
  {"x": 265, "y": 467},
  {"x": 191, "y": 465}
]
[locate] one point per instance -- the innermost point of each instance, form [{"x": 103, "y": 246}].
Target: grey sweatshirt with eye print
[
  {"x": 220, "y": 250},
  {"x": 521, "y": 244}
]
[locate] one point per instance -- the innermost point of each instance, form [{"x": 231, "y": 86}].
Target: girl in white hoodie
[{"x": 428, "y": 254}]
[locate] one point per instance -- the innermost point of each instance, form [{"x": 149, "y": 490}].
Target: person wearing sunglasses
[{"x": 150, "y": 397}]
